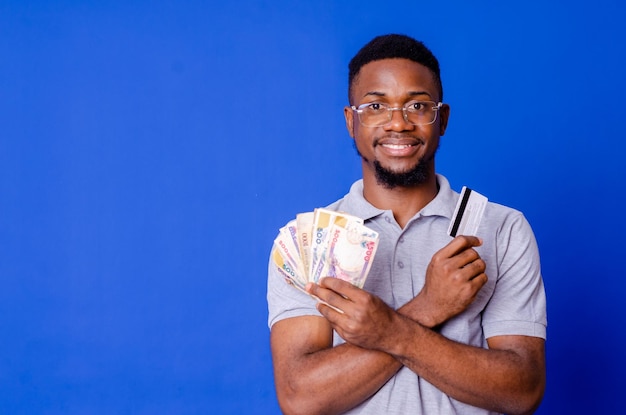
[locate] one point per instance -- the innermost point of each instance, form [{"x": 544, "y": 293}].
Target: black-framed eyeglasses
[{"x": 376, "y": 114}]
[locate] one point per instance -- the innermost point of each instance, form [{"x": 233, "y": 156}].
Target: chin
[{"x": 414, "y": 176}]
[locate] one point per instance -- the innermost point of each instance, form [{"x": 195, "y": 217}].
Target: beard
[
  {"x": 390, "y": 179},
  {"x": 410, "y": 178}
]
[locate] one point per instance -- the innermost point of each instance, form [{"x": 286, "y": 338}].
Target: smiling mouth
[
  {"x": 398, "y": 146},
  {"x": 398, "y": 142}
]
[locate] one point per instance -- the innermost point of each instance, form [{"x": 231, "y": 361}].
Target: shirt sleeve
[
  {"x": 518, "y": 304},
  {"x": 285, "y": 301}
]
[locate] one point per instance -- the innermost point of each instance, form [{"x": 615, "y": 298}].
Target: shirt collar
[{"x": 442, "y": 205}]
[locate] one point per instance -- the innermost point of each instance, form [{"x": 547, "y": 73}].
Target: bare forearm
[
  {"x": 502, "y": 380},
  {"x": 334, "y": 380}
]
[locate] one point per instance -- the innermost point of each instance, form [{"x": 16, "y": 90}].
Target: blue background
[{"x": 150, "y": 150}]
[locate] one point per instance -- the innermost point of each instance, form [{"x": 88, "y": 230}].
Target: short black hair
[{"x": 394, "y": 46}]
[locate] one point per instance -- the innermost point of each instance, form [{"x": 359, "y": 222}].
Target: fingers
[
  {"x": 459, "y": 254},
  {"x": 459, "y": 244},
  {"x": 477, "y": 283},
  {"x": 473, "y": 271},
  {"x": 333, "y": 292},
  {"x": 476, "y": 268},
  {"x": 339, "y": 286},
  {"x": 465, "y": 258}
]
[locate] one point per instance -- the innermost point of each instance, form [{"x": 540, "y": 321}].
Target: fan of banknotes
[{"x": 324, "y": 243}]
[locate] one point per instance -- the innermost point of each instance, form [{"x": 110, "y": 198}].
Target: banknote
[
  {"x": 351, "y": 250},
  {"x": 304, "y": 224},
  {"x": 286, "y": 268},
  {"x": 290, "y": 232},
  {"x": 323, "y": 221},
  {"x": 324, "y": 243},
  {"x": 288, "y": 251}
]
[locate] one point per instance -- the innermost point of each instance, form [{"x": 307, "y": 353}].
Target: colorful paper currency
[{"x": 325, "y": 243}]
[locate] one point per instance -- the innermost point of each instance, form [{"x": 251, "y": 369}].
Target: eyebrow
[
  {"x": 382, "y": 94},
  {"x": 414, "y": 93}
]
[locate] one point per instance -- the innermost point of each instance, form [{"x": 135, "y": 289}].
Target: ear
[
  {"x": 348, "y": 114},
  {"x": 444, "y": 115}
]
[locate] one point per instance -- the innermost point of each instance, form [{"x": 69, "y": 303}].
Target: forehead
[{"x": 393, "y": 77}]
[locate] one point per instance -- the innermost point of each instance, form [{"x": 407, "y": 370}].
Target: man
[{"x": 443, "y": 325}]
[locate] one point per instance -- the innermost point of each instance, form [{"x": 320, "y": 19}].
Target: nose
[{"x": 398, "y": 122}]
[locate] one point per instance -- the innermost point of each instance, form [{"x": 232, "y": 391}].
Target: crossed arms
[{"x": 313, "y": 377}]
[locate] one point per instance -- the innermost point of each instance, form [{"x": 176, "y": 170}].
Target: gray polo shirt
[{"x": 511, "y": 303}]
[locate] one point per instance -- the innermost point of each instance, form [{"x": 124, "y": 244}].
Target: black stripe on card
[{"x": 459, "y": 215}]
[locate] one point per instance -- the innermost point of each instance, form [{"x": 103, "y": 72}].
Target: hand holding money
[{"x": 324, "y": 243}]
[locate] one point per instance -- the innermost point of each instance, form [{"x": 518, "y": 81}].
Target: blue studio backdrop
[{"x": 150, "y": 150}]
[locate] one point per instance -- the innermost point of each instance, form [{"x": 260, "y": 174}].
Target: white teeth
[{"x": 396, "y": 146}]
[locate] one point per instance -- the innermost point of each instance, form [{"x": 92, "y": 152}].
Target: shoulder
[
  {"x": 500, "y": 219},
  {"x": 509, "y": 239},
  {"x": 350, "y": 202}
]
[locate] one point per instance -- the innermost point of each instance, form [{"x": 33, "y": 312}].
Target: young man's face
[{"x": 398, "y": 153}]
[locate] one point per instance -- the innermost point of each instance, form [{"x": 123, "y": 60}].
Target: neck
[{"x": 404, "y": 202}]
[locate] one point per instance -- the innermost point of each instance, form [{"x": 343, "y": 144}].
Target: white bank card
[{"x": 468, "y": 213}]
